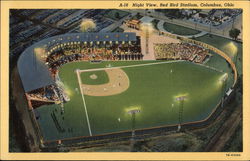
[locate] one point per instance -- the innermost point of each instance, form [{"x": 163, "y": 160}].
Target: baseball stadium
[{"x": 81, "y": 86}]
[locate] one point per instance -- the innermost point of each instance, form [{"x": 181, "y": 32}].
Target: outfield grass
[
  {"x": 152, "y": 89},
  {"x": 179, "y": 30},
  {"x": 230, "y": 47}
]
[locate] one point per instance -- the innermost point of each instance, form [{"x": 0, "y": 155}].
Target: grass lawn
[
  {"x": 228, "y": 46},
  {"x": 116, "y": 14},
  {"x": 153, "y": 90},
  {"x": 179, "y": 30}
]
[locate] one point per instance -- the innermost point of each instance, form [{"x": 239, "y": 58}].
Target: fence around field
[{"x": 98, "y": 140}]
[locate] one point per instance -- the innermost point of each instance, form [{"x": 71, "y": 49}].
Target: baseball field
[{"x": 102, "y": 94}]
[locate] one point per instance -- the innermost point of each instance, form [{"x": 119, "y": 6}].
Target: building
[{"x": 135, "y": 24}]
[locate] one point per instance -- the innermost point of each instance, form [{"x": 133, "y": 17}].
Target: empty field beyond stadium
[{"x": 100, "y": 100}]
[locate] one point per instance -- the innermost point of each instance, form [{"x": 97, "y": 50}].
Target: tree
[{"x": 234, "y": 33}]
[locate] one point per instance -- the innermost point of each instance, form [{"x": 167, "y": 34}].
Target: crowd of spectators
[
  {"x": 43, "y": 96},
  {"x": 90, "y": 51},
  {"x": 181, "y": 51}
]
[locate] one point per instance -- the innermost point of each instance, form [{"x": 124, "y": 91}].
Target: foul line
[
  {"x": 84, "y": 103},
  {"x": 129, "y": 66}
]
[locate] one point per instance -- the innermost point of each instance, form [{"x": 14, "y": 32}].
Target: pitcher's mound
[{"x": 93, "y": 76}]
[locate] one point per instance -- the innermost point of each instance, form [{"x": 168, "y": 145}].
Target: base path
[{"x": 118, "y": 83}]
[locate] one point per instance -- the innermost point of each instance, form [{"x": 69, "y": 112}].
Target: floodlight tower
[
  {"x": 147, "y": 29},
  {"x": 34, "y": 59},
  {"x": 87, "y": 25},
  {"x": 38, "y": 55},
  {"x": 133, "y": 113},
  {"x": 234, "y": 50},
  {"x": 223, "y": 80},
  {"x": 147, "y": 39},
  {"x": 181, "y": 99}
]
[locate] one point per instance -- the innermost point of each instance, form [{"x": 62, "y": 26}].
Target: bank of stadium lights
[
  {"x": 223, "y": 80},
  {"x": 87, "y": 25},
  {"x": 40, "y": 53},
  {"x": 232, "y": 48},
  {"x": 181, "y": 100},
  {"x": 133, "y": 112}
]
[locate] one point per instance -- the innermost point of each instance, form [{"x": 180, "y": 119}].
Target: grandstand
[
  {"x": 107, "y": 72},
  {"x": 45, "y": 57},
  {"x": 181, "y": 51}
]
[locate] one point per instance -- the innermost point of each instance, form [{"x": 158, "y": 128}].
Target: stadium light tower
[
  {"x": 147, "y": 29},
  {"x": 233, "y": 50},
  {"x": 223, "y": 80},
  {"x": 133, "y": 113},
  {"x": 87, "y": 25},
  {"x": 181, "y": 99},
  {"x": 39, "y": 55}
]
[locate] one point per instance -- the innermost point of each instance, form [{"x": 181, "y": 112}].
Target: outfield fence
[{"x": 140, "y": 134}]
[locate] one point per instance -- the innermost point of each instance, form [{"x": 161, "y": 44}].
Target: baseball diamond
[{"x": 87, "y": 84}]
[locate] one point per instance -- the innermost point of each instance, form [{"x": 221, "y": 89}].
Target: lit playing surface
[{"x": 153, "y": 89}]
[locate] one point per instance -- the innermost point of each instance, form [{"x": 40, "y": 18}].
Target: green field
[
  {"x": 153, "y": 89},
  {"x": 179, "y": 30},
  {"x": 230, "y": 47}
]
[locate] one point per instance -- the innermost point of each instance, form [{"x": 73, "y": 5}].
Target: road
[
  {"x": 116, "y": 24},
  {"x": 219, "y": 140},
  {"x": 222, "y": 30}
]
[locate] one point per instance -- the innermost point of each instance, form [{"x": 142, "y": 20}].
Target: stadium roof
[{"x": 35, "y": 73}]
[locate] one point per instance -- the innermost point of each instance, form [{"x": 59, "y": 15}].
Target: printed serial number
[{"x": 233, "y": 155}]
